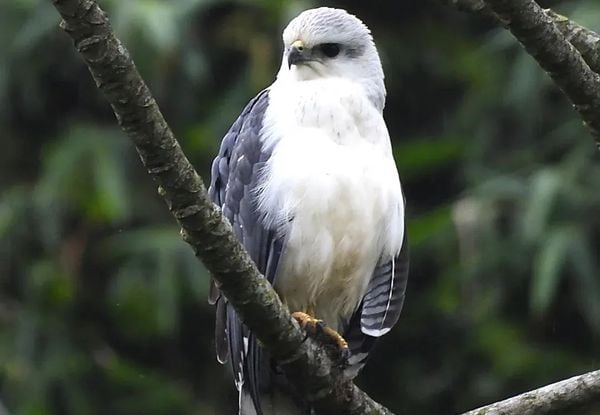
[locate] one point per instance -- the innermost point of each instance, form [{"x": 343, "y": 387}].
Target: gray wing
[
  {"x": 235, "y": 175},
  {"x": 380, "y": 308},
  {"x": 383, "y": 301}
]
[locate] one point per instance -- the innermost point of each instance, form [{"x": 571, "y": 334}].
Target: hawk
[{"x": 307, "y": 178}]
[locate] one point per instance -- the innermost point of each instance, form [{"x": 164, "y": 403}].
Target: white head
[{"x": 331, "y": 43}]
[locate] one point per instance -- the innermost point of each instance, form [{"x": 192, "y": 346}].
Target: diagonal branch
[
  {"x": 586, "y": 41},
  {"x": 582, "y": 391},
  {"x": 202, "y": 225},
  {"x": 568, "y": 52}
]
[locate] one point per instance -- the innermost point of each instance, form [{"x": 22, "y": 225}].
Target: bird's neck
[
  {"x": 334, "y": 109},
  {"x": 373, "y": 88}
]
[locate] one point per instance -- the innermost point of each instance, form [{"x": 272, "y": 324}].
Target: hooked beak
[{"x": 298, "y": 54}]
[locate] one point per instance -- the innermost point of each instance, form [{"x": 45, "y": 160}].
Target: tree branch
[
  {"x": 568, "y": 52},
  {"x": 306, "y": 364},
  {"x": 574, "y": 393},
  {"x": 586, "y": 41}
]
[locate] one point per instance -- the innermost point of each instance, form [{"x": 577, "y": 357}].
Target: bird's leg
[{"x": 334, "y": 343}]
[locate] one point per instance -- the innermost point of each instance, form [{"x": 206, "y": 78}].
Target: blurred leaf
[
  {"x": 424, "y": 155},
  {"x": 548, "y": 266},
  {"x": 587, "y": 280},
  {"x": 145, "y": 391},
  {"x": 83, "y": 169},
  {"x": 509, "y": 347},
  {"x": 524, "y": 85},
  {"x": 42, "y": 20},
  {"x": 50, "y": 287},
  {"x": 133, "y": 303},
  {"x": 112, "y": 201},
  {"x": 146, "y": 288},
  {"x": 13, "y": 203},
  {"x": 544, "y": 188},
  {"x": 166, "y": 293},
  {"x": 157, "y": 21},
  {"x": 425, "y": 226}
]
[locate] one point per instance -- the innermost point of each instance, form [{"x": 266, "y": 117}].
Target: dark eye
[{"x": 331, "y": 50}]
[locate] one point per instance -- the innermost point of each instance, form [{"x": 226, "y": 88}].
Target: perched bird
[{"x": 307, "y": 179}]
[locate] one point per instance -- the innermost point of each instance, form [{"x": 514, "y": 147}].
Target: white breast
[{"x": 332, "y": 187}]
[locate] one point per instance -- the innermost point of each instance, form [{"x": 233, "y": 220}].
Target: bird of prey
[{"x": 307, "y": 179}]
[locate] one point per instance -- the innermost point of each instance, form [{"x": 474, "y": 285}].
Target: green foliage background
[{"x": 103, "y": 308}]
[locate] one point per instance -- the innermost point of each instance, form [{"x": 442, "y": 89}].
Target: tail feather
[
  {"x": 276, "y": 403},
  {"x": 246, "y": 404}
]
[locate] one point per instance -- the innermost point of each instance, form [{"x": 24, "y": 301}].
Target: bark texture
[
  {"x": 307, "y": 365},
  {"x": 567, "y": 395},
  {"x": 586, "y": 41}
]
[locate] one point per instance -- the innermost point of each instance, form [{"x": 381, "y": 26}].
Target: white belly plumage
[{"x": 332, "y": 188}]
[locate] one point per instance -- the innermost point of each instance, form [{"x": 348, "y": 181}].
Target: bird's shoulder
[{"x": 240, "y": 148}]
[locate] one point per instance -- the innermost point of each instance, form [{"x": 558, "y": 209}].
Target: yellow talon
[
  {"x": 337, "y": 337},
  {"x": 305, "y": 319}
]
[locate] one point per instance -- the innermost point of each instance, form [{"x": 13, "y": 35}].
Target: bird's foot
[{"x": 335, "y": 345}]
